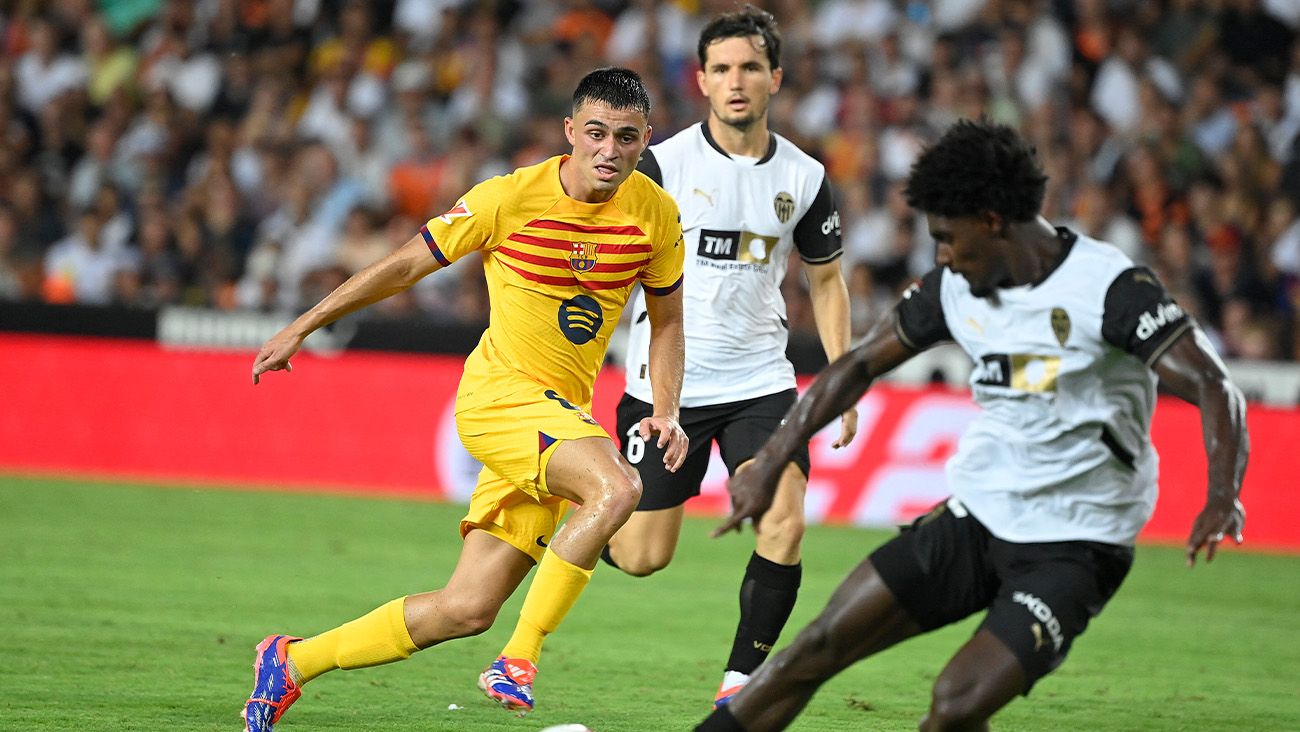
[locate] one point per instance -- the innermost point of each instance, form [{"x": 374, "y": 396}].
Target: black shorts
[
  {"x": 946, "y": 566},
  {"x": 740, "y": 428}
]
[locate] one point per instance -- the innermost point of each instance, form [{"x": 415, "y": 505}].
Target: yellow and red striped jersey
[{"x": 559, "y": 272}]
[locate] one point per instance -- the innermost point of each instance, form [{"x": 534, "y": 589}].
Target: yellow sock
[
  {"x": 375, "y": 638},
  {"x": 554, "y": 590}
]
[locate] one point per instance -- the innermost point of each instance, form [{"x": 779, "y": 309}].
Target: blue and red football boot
[{"x": 273, "y": 689}]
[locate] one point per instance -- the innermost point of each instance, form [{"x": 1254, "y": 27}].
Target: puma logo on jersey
[
  {"x": 703, "y": 195},
  {"x": 1150, "y": 323}
]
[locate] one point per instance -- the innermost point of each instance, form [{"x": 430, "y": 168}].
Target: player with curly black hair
[{"x": 1050, "y": 484}]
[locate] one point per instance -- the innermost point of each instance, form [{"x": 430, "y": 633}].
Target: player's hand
[
  {"x": 1215, "y": 522},
  {"x": 751, "y": 489},
  {"x": 672, "y": 439},
  {"x": 275, "y": 354},
  {"x": 848, "y": 428}
]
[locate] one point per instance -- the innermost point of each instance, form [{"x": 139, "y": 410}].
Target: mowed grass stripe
[{"x": 131, "y": 607}]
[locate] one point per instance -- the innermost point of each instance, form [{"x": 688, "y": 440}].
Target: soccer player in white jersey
[
  {"x": 748, "y": 198},
  {"x": 1052, "y": 481}
]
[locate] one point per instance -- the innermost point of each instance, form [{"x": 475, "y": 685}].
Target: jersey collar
[
  {"x": 1068, "y": 239},
  {"x": 708, "y": 137}
]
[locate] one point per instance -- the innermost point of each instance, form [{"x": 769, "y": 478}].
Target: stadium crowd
[{"x": 254, "y": 153}]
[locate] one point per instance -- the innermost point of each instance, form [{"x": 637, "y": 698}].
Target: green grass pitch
[{"x": 129, "y": 607}]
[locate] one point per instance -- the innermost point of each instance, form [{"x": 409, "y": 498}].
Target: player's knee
[
  {"x": 644, "y": 561},
  {"x": 814, "y": 655},
  {"x": 954, "y": 705},
  {"x": 469, "y": 615},
  {"x": 782, "y": 531},
  {"x": 619, "y": 495}
]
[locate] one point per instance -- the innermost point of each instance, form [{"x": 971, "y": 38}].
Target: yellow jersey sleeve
[
  {"x": 663, "y": 274},
  {"x": 469, "y": 225}
]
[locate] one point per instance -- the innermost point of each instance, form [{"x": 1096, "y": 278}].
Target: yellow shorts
[{"x": 514, "y": 437}]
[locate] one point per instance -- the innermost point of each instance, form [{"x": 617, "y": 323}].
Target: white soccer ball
[{"x": 569, "y": 728}]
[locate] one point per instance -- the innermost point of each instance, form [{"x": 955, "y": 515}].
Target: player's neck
[
  {"x": 576, "y": 188},
  {"x": 1042, "y": 250},
  {"x": 750, "y": 142}
]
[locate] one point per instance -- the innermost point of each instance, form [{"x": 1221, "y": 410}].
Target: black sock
[
  {"x": 720, "y": 721},
  {"x": 767, "y": 596},
  {"x": 609, "y": 559}
]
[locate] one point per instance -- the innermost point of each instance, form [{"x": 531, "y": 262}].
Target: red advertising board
[{"x": 383, "y": 423}]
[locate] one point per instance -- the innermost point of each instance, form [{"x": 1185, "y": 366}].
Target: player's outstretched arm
[
  {"x": 1192, "y": 370},
  {"x": 830, "y": 305},
  {"x": 838, "y": 387},
  {"x": 384, "y": 278},
  {"x": 667, "y": 361}
]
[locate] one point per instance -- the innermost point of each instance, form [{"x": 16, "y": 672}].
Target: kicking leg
[
  {"x": 981, "y": 679},
  {"x": 861, "y": 618}
]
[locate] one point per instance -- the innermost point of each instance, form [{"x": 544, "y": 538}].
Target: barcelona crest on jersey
[{"x": 583, "y": 256}]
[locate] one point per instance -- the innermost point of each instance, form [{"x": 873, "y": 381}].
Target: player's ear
[
  {"x": 777, "y": 75},
  {"x": 995, "y": 222},
  {"x": 568, "y": 131},
  {"x": 699, "y": 81},
  {"x": 645, "y": 137}
]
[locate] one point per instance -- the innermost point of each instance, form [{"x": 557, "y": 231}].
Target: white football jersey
[
  {"x": 741, "y": 218},
  {"x": 1061, "y": 449}
]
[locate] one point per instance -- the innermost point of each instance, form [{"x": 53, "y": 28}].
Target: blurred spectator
[
  {"x": 157, "y": 280},
  {"x": 110, "y": 67},
  {"x": 361, "y": 243},
  {"x": 1254, "y": 42},
  {"x": 836, "y": 22},
  {"x": 45, "y": 71},
  {"x": 80, "y": 268},
  {"x": 1115, "y": 92},
  {"x": 1095, "y": 215},
  {"x": 650, "y": 28},
  {"x": 20, "y": 269},
  {"x": 414, "y": 182}
]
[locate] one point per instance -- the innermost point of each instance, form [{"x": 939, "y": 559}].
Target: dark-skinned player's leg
[
  {"x": 979, "y": 680},
  {"x": 1048, "y": 592},
  {"x": 861, "y": 618}
]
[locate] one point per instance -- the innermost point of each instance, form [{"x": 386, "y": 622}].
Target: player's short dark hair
[
  {"x": 617, "y": 87},
  {"x": 743, "y": 23},
  {"x": 977, "y": 167}
]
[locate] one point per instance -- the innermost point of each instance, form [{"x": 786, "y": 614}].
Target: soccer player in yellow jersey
[{"x": 563, "y": 244}]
